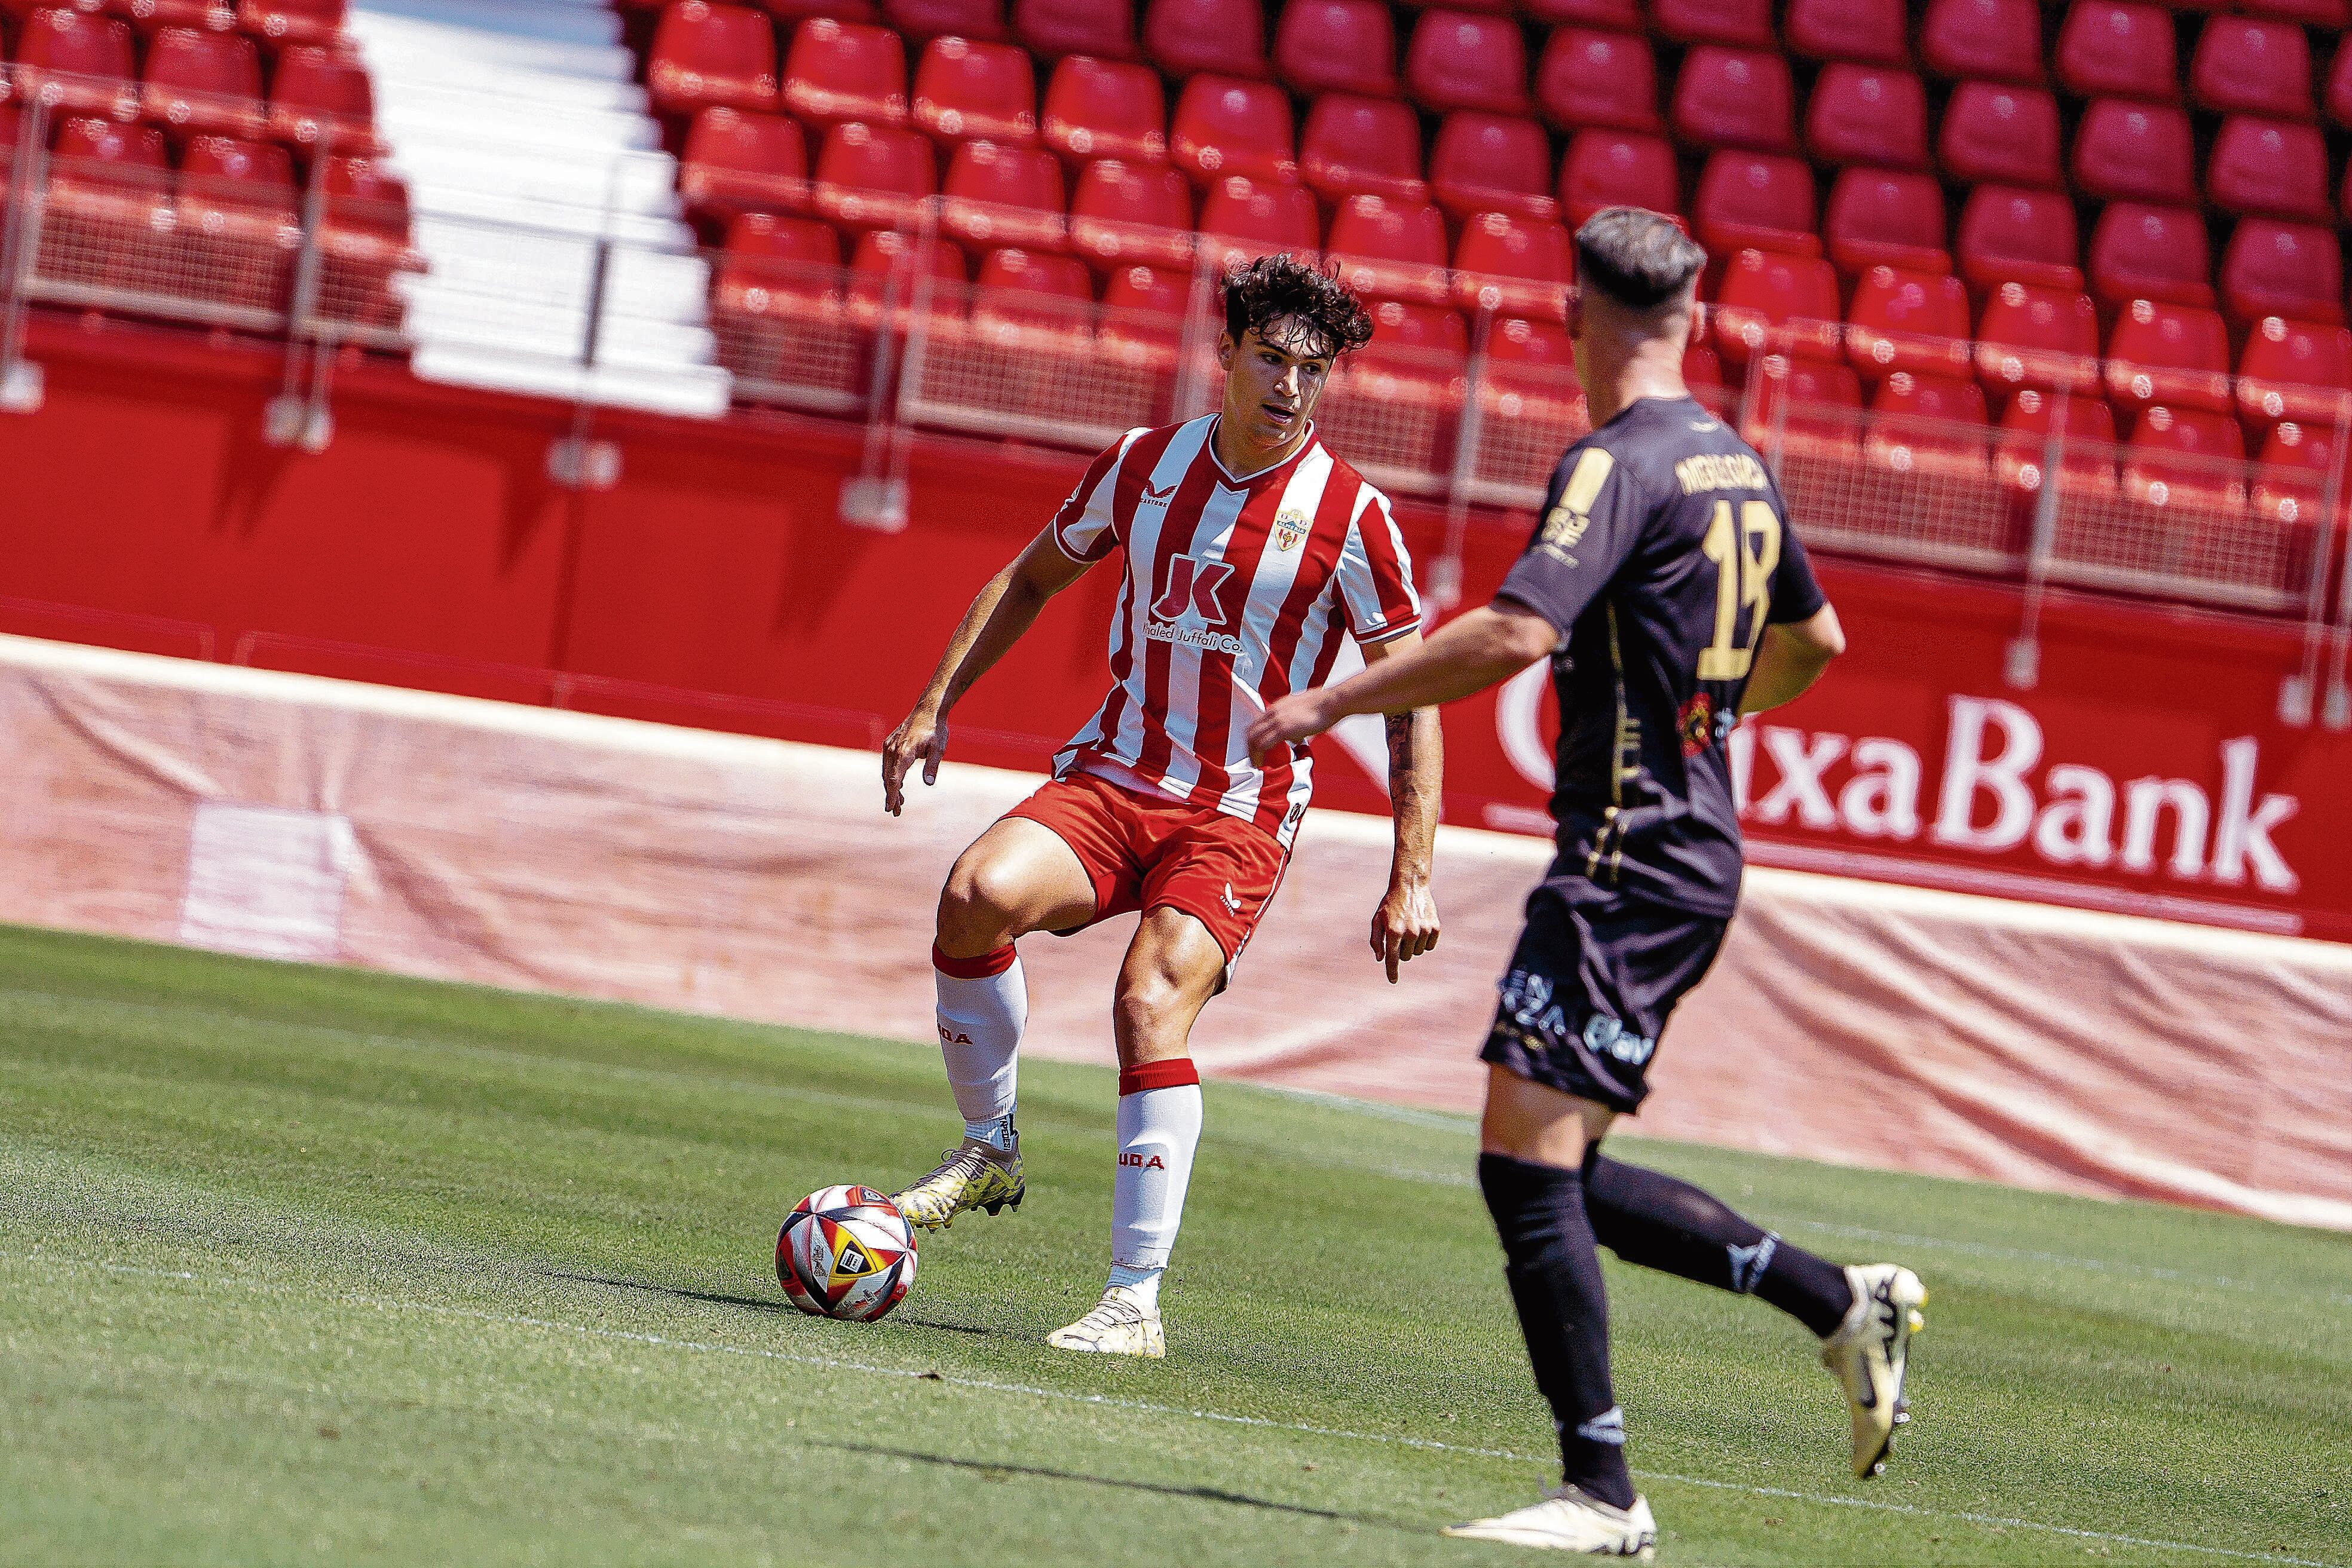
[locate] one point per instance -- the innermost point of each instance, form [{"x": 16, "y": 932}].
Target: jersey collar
[{"x": 1246, "y": 481}]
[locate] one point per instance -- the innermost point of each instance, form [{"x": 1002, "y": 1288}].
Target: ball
[{"x": 847, "y": 1253}]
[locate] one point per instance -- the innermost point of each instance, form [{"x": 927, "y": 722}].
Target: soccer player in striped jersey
[{"x": 1249, "y": 554}]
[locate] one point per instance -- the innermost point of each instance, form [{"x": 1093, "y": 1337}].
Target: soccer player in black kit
[{"x": 1670, "y": 594}]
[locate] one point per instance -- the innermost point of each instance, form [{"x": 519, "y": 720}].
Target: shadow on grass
[{"x": 720, "y": 1299}]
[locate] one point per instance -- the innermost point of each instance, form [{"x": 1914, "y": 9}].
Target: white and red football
[{"x": 847, "y": 1253}]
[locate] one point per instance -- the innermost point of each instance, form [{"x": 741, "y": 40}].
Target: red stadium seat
[
  {"x": 1142, "y": 320},
  {"x": 2338, "y": 100},
  {"x": 2294, "y": 369},
  {"x": 1185, "y": 38},
  {"x": 2014, "y": 236},
  {"x": 148, "y": 17},
  {"x": 712, "y": 56},
  {"x": 1805, "y": 409},
  {"x": 1731, "y": 97},
  {"x": 1744, "y": 24},
  {"x": 1867, "y": 31},
  {"x": 1916, "y": 321},
  {"x": 2141, "y": 252},
  {"x": 2297, "y": 463},
  {"x": 2287, "y": 269},
  {"x": 981, "y": 21},
  {"x": 1102, "y": 28},
  {"x": 736, "y": 162},
  {"x": 2247, "y": 67},
  {"x": 840, "y": 71},
  {"x": 1242, "y": 219},
  {"x": 204, "y": 83},
  {"x": 1598, "y": 78},
  {"x": 2118, "y": 48},
  {"x": 1362, "y": 147},
  {"x": 107, "y": 217},
  {"x": 881, "y": 253},
  {"x": 1106, "y": 109},
  {"x": 1612, "y": 16},
  {"x": 77, "y": 64},
  {"x": 1533, "y": 358},
  {"x": 974, "y": 92},
  {"x": 1927, "y": 424},
  {"x": 1615, "y": 168},
  {"x": 1459, "y": 59},
  {"x": 2030, "y": 336},
  {"x": 2185, "y": 457},
  {"x": 790, "y": 14},
  {"x": 874, "y": 176},
  {"x": 2310, "y": 12},
  {"x": 237, "y": 222},
  {"x": 319, "y": 97},
  {"x": 789, "y": 268},
  {"x": 1863, "y": 114},
  {"x": 1879, "y": 218},
  {"x": 2001, "y": 135},
  {"x": 1227, "y": 126},
  {"x": 2136, "y": 152},
  {"x": 1389, "y": 250},
  {"x": 363, "y": 240},
  {"x": 292, "y": 21},
  {"x": 1513, "y": 266},
  {"x": 1492, "y": 162},
  {"x": 1123, "y": 215},
  {"x": 2170, "y": 355},
  {"x": 999, "y": 196},
  {"x": 2272, "y": 168},
  {"x": 1753, "y": 201},
  {"x": 1777, "y": 304},
  {"x": 1983, "y": 40},
  {"x": 2087, "y": 427},
  {"x": 1337, "y": 45},
  {"x": 1427, "y": 342},
  {"x": 1026, "y": 300}
]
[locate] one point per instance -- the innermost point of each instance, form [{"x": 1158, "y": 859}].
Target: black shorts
[{"x": 1590, "y": 986}]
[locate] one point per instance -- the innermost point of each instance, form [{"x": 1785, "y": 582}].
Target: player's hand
[
  {"x": 1405, "y": 925},
  {"x": 921, "y": 737},
  {"x": 1291, "y": 720}
]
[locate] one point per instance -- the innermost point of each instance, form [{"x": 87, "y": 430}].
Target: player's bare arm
[
  {"x": 1405, "y": 925},
  {"x": 1000, "y": 613},
  {"x": 1479, "y": 648},
  {"x": 1790, "y": 658}
]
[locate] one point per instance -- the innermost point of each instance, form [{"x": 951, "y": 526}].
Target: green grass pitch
[{"x": 301, "y": 1264}]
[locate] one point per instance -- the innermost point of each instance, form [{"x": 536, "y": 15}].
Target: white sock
[
  {"x": 983, "y": 1004},
  {"x": 1158, "y": 1129}
]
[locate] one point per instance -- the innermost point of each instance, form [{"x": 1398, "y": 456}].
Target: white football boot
[
  {"x": 1568, "y": 1520},
  {"x": 1120, "y": 1324},
  {"x": 1870, "y": 1353}
]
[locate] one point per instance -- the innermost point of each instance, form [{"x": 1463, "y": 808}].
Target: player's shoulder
[
  {"x": 1345, "y": 475},
  {"x": 1676, "y": 446}
]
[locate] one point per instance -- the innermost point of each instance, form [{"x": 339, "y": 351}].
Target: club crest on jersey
[{"x": 1289, "y": 528}]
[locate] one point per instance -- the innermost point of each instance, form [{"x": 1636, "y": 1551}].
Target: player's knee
[
  {"x": 974, "y": 908},
  {"x": 1149, "y": 1009}
]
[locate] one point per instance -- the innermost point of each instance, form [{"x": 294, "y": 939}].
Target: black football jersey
[{"x": 1663, "y": 553}]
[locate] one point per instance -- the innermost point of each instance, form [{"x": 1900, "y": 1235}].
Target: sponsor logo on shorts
[
  {"x": 1530, "y": 1002},
  {"x": 1233, "y": 904},
  {"x": 1607, "y": 1037}
]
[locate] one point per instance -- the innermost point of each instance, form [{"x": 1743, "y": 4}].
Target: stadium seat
[
  {"x": 107, "y": 216},
  {"x": 1916, "y": 321},
  {"x": 2031, "y": 336},
  {"x": 1754, "y": 201},
  {"x": 997, "y": 196},
  {"x": 2293, "y": 370},
  {"x": 981, "y": 21},
  {"x": 1532, "y": 358},
  {"x": 707, "y": 55},
  {"x": 2334, "y": 13},
  {"x": 2170, "y": 355},
  {"x": 2136, "y": 152},
  {"x": 1022, "y": 299},
  {"x": 1614, "y": 168},
  {"x": 2118, "y": 48},
  {"x": 1612, "y": 16},
  {"x": 77, "y": 64},
  {"x": 322, "y": 99},
  {"x": 2291, "y": 481},
  {"x": 1102, "y": 28},
  {"x": 2014, "y": 236},
  {"x": 1804, "y": 410},
  {"x": 238, "y": 229},
  {"x": 1142, "y": 318},
  {"x": 736, "y": 162},
  {"x": 362, "y": 239},
  {"x": 2185, "y": 457},
  {"x": 2271, "y": 168},
  {"x": 1123, "y": 215},
  {"x": 1389, "y": 250},
  {"x": 1185, "y": 38},
  {"x": 1362, "y": 147},
  {"x": 2141, "y": 252},
  {"x": 1983, "y": 40},
  {"x": 789, "y": 268},
  {"x": 1245, "y": 218},
  {"x": 1863, "y": 114},
  {"x": 1927, "y": 424},
  {"x": 1743, "y": 23},
  {"x": 292, "y": 21},
  {"x": 1227, "y": 126},
  {"x": 1337, "y": 45},
  {"x": 1429, "y": 338},
  {"x": 1492, "y": 162},
  {"x": 790, "y": 14},
  {"x": 1513, "y": 265},
  {"x": 2287, "y": 269},
  {"x": 1733, "y": 97},
  {"x": 1878, "y": 217},
  {"x": 1459, "y": 59},
  {"x": 1866, "y": 32},
  {"x": 1777, "y": 304},
  {"x": 2086, "y": 424},
  {"x": 2247, "y": 67},
  {"x": 2001, "y": 135},
  {"x": 148, "y": 17},
  {"x": 974, "y": 92},
  {"x": 874, "y": 176},
  {"x": 2337, "y": 101},
  {"x": 840, "y": 71},
  {"x": 204, "y": 83},
  {"x": 1588, "y": 79},
  {"x": 880, "y": 253},
  {"x": 1106, "y": 109}
]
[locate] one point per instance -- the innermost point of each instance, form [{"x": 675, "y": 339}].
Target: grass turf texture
[{"x": 301, "y": 1264}]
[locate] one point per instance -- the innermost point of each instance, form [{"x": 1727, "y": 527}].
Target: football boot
[
  {"x": 1870, "y": 1353},
  {"x": 977, "y": 1175},
  {"x": 1568, "y": 1520},
  {"x": 1120, "y": 1324}
]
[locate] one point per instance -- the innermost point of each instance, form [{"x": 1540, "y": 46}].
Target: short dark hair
[
  {"x": 1636, "y": 257},
  {"x": 1272, "y": 287}
]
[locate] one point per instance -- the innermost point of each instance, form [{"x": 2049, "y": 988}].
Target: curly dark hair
[{"x": 1331, "y": 321}]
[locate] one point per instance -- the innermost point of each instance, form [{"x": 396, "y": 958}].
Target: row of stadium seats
[{"x": 277, "y": 21}]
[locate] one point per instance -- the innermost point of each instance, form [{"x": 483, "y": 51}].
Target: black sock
[
  {"x": 1660, "y": 1223},
  {"x": 1554, "y": 1271}
]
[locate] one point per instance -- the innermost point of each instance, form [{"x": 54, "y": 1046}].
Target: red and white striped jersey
[{"x": 1237, "y": 592}]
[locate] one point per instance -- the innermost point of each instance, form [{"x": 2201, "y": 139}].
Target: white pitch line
[{"x": 836, "y": 1363}]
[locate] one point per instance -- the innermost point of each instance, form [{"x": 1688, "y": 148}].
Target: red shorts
[{"x": 1144, "y": 852}]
